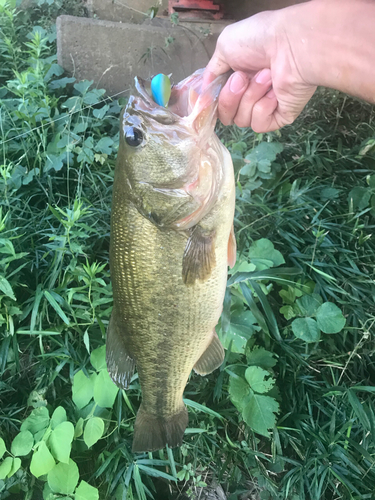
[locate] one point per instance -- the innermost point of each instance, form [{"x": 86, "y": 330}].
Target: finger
[
  {"x": 265, "y": 117},
  {"x": 258, "y": 88},
  {"x": 230, "y": 96},
  {"x": 215, "y": 67},
  {"x": 273, "y": 112}
]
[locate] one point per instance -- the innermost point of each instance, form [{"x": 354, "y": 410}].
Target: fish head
[
  {"x": 154, "y": 146},
  {"x": 166, "y": 154}
]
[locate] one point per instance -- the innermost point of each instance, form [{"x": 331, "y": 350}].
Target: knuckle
[
  {"x": 225, "y": 116},
  {"x": 225, "y": 33},
  {"x": 222, "y": 40},
  {"x": 248, "y": 100},
  {"x": 258, "y": 128},
  {"x": 242, "y": 121},
  {"x": 225, "y": 120},
  {"x": 290, "y": 83},
  {"x": 288, "y": 119},
  {"x": 260, "y": 107},
  {"x": 225, "y": 105}
]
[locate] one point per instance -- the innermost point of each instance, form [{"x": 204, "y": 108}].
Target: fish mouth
[
  {"x": 184, "y": 96},
  {"x": 146, "y": 106}
]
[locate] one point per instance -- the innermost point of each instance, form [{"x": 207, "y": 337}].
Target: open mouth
[{"x": 184, "y": 95}]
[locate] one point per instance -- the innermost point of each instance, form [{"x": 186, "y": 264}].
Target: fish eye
[{"x": 133, "y": 136}]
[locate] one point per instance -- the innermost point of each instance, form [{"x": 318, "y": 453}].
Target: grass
[
  {"x": 312, "y": 197},
  {"x": 307, "y": 211}
]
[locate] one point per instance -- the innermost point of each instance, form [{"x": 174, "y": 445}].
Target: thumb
[{"x": 215, "y": 67}]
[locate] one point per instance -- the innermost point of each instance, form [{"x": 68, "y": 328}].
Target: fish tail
[{"x": 155, "y": 432}]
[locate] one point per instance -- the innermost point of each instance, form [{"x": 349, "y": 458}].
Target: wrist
[
  {"x": 332, "y": 43},
  {"x": 299, "y": 39}
]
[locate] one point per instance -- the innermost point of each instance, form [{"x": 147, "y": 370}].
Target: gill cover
[{"x": 172, "y": 166}]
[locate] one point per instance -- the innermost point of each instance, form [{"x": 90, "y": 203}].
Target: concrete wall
[
  {"x": 134, "y": 10},
  {"x": 111, "y": 53},
  {"x": 127, "y": 11}
]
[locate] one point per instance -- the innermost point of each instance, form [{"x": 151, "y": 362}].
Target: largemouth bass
[{"x": 171, "y": 241}]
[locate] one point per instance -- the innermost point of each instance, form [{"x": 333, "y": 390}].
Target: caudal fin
[{"x": 154, "y": 433}]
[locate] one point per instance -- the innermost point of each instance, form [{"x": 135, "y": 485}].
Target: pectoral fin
[
  {"x": 212, "y": 357},
  {"x": 199, "y": 256},
  {"x": 232, "y": 249},
  {"x": 120, "y": 365}
]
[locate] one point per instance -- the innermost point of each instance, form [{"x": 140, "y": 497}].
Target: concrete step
[
  {"x": 135, "y": 10},
  {"x": 125, "y": 11},
  {"x": 112, "y": 53}
]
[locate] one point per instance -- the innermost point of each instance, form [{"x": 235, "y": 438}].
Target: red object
[{"x": 201, "y": 9}]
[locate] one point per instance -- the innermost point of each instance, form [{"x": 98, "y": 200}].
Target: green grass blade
[
  {"x": 171, "y": 461},
  {"x": 56, "y": 307},
  {"x": 268, "y": 311},
  {"x": 139, "y": 486},
  {"x": 274, "y": 274},
  {"x": 37, "y": 299},
  {"x": 156, "y": 473},
  {"x": 253, "y": 307},
  {"x": 37, "y": 332},
  {"x": 201, "y": 408},
  {"x": 358, "y": 409}
]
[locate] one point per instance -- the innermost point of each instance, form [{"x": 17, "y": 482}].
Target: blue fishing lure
[{"x": 161, "y": 89}]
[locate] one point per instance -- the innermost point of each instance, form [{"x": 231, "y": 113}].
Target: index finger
[{"x": 215, "y": 67}]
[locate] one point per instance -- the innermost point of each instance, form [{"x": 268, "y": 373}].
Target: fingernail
[
  {"x": 237, "y": 83},
  {"x": 264, "y": 77},
  {"x": 271, "y": 94}
]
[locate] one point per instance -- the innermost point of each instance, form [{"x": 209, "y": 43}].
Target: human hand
[{"x": 267, "y": 89}]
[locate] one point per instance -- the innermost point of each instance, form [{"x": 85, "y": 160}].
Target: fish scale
[{"x": 200, "y": 317}]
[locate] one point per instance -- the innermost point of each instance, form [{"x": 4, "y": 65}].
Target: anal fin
[
  {"x": 120, "y": 365},
  {"x": 199, "y": 256},
  {"x": 212, "y": 357}
]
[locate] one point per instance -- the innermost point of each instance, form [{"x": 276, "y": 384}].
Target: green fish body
[{"x": 171, "y": 238}]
